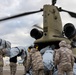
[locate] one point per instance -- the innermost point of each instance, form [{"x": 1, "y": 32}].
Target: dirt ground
[{"x": 20, "y": 70}]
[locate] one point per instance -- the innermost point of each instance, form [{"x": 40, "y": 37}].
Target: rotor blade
[
  {"x": 37, "y": 26},
  {"x": 54, "y": 2},
  {"x": 72, "y": 14},
  {"x": 20, "y": 15}
]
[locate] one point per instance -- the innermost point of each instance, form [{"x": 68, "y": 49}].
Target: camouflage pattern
[
  {"x": 1, "y": 65},
  {"x": 2, "y": 54},
  {"x": 69, "y": 46},
  {"x": 64, "y": 59},
  {"x": 34, "y": 60},
  {"x": 1, "y": 62},
  {"x": 1, "y": 58},
  {"x": 38, "y": 72},
  {"x": 13, "y": 68}
]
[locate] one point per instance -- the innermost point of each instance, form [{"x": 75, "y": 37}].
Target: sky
[{"x": 17, "y": 30}]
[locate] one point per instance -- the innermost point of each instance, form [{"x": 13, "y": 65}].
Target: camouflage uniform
[
  {"x": 1, "y": 62},
  {"x": 69, "y": 46},
  {"x": 34, "y": 60},
  {"x": 13, "y": 68},
  {"x": 64, "y": 59},
  {"x": 14, "y": 53},
  {"x": 3, "y": 46}
]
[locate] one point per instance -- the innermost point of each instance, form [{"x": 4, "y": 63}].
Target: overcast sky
[{"x": 17, "y": 31}]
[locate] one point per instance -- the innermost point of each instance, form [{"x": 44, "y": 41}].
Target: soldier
[
  {"x": 29, "y": 48},
  {"x": 2, "y": 54},
  {"x": 14, "y": 53},
  {"x": 64, "y": 59},
  {"x": 34, "y": 61},
  {"x": 25, "y": 60},
  {"x": 4, "y": 45}
]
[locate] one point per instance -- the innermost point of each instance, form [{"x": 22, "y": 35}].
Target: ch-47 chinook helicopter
[
  {"x": 52, "y": 26},
  {"x": 52, "y": 32}
]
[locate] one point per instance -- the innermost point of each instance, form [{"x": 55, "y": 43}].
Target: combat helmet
[{"x": 63, "y": 43}]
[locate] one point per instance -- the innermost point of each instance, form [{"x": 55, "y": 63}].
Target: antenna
[{"x": 54, "y": 2}]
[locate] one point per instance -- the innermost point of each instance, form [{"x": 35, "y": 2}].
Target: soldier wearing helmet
[
  {"x": 64, "y": 59},
  {"x": 25, "y": 59},
  {"x": 29, "y": 48},
  {"x": 34, "y": 60}
]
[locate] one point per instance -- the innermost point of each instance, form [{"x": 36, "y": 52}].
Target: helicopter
[{"x": 52, "y": 32}]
